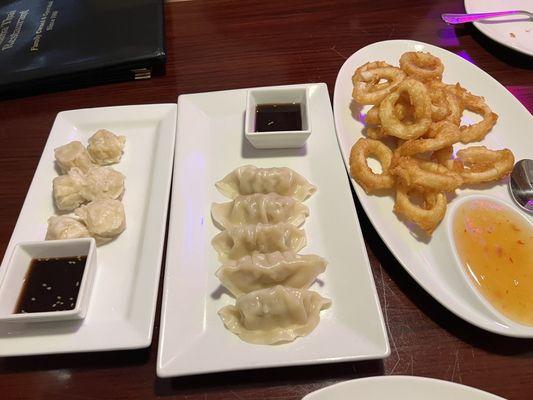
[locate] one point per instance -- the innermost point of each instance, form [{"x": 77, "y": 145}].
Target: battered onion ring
[
  {"x": 422, "y": 66},
  {"x": 360, "y": 170},
  {"x": 367, "y": 89},
  {"x": 444, "y": 157},
  {"x": 426, "y": 175},
  {"x": 419, "y": 98},
  {"x": 455, "y": 107},
  {"x": 426, "y": 217},
  {"x": 484, "y": 165},
  {"x": 441, "y": 134}
]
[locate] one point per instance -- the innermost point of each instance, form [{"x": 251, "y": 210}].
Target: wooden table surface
[{"x": 219, "y": 45}]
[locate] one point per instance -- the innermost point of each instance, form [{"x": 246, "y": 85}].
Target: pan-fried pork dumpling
[
  {"x": 66, "y": 189},
  {"x": 105, "y": 147},
  {"x": 105, "y": 219},
  {"x": 260, "y": 271},
  {"x": 65, "y": 227},
  {"x": 274, "y": 315},
  {"x": 102, "y": 183},
  {"x": 249, "y": 179},
  {"x": 73, "y": 154},
  {"x": 241, "y": 240},
  {"x": 261, "y": 208}
]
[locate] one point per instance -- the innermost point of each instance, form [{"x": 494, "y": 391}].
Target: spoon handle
[{"x": 463, "y": 18}]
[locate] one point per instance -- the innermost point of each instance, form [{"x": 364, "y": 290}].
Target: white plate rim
[
  {"x": 360, "y": 192},
  {"x": 470, "y": 7},
  {"x": 391, "y": 379}
]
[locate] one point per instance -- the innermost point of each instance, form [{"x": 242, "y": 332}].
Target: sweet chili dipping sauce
[
  {"x": 278, "y": 117},
  {"x": 51, "y": 284},
  {"x": 496, "y": 248}
]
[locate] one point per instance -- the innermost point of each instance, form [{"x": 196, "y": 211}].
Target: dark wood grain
[{"x": 225, "y": 45}]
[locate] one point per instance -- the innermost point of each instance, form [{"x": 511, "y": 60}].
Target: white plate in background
[
  {"x": 429, "y": 263},
  {"x": 513, "y": 31},
  {"x": 399, "y": 388},
  {"x": 122, "y": 307},
  {"x": 209, "y": 144}
]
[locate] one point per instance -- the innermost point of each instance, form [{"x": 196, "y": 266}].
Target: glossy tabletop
[{"x": 217, "y": 45}]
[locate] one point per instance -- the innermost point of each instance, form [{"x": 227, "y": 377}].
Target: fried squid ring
[
  {"x": 375, "y": 132},
  {"x": 444, "y": 157},
  {"x": 426, "y": 216},
  {"x": 484, "y": 165},
  {"x": 455, "y": 108},
  {"x": 422, "y": 66},
  {"x": 419, "y": 98},
  {"x": 366, "y": 80},
  {"x": 439, "y": 102},
  {"x": 426, "y": 175},
  {"x": 360, "y": 170},
  {"x": 403, "y": 111},
  {"x": 477, "y": 131},
  {"x": 441, "y": 134}
]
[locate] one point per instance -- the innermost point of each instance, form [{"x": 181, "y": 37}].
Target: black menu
[{"x": 47, "y": 43}]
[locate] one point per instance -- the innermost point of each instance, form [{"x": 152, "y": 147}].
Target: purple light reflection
[
  {"x": 466, "y": 56},
  {"x": 448, "y": 38}
]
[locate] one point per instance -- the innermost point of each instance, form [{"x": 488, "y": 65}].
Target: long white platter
[
  {"x": 210, "y": 143},
  {"x": 430, "y": 263},
  {"x": 122, "y": 308}
]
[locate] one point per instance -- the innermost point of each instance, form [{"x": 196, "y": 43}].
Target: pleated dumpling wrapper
[
  {"x": 250, "y": 179},
  {"x": 105, "y": 219},
  {"x": 242, "y": 240},
  {"x": 105, "y": 147},
  {"x": 274, "y": 315},
  {"x": 73, "y": 154},
  {"x": 260, "y": 271},
  {"x": 259, "y": 208},
  {"x": 65, "y": 227}
]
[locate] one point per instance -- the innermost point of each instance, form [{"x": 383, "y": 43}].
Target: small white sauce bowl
[
  {"x": 17, "y": 269},
  {"x": 277, "y": 95},
  {"x": 459, "y": 263}
]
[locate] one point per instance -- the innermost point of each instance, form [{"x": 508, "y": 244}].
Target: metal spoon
[
  {"x": 521, "y": 184},
  {"x": 464, "y": 18}
]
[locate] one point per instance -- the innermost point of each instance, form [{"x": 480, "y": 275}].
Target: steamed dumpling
[
  {"x": 105, "y": 147},
  {"x": 260, "y": 271},
  {"x": 105, "y": 219},
  {"x": 274, "y": 315},
  {"x": 73, "y": 154},
  {"x": 102, "y": 183},
  {"x": 66, "y": 190},
  {"x": 249, "y": 179},
  {"x": 257, "y": 208},
  {"x": 65, "y": 227},
  {"x": 241, "y": 240}
]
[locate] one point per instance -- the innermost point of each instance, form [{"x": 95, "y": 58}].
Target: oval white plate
[
  {"x": 501, "y": 28},
  {"x": 399, "y": 388},
  {"x": 429, "y": 263}
]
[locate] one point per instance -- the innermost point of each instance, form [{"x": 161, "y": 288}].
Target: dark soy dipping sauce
[
  {"x": 51, "y": 284},
  {"x": 278, "y": 117}
]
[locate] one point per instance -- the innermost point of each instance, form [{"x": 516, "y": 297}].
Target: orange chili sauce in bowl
[{"x": 494, "y": 244}]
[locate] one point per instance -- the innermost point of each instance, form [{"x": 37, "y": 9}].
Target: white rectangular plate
[
  {"x": 210, "y": 143},
  {"x": 430, "y": 264},
  {"x": 122, "y": 307}
]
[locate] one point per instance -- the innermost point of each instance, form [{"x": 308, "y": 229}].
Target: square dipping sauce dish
[
  {"x": 18, "y": 271},
  {"x": 277, "y": 97}
]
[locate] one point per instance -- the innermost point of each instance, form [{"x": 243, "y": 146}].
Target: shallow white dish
[
  {"x": 459, "y": 263},
  {"x": 277, "y": 139},
  {"x": 519, "y": 25},
  {"x": 19, "y": 266},
  {"x": 428, "y": 263},
  {"x": 399, "y": 388},
  {"x": 124, "y": 295},
  {"x": 210, "y": 144}
]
